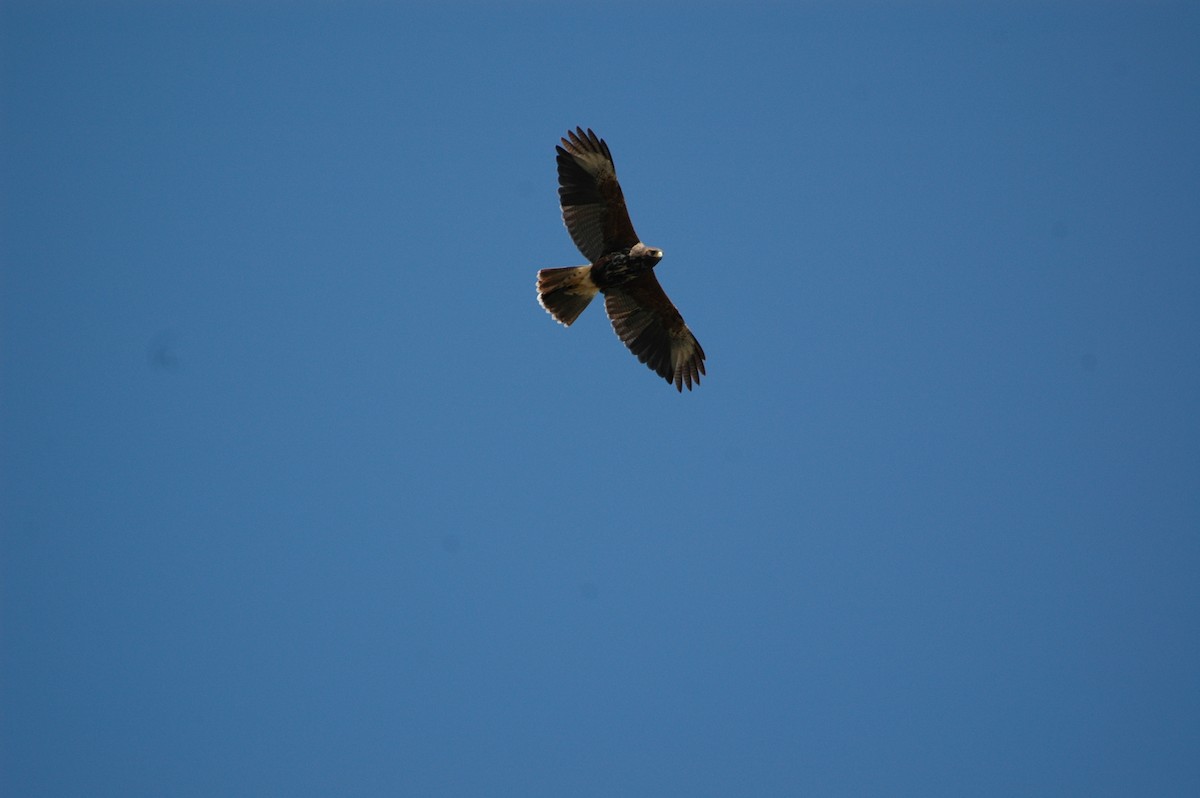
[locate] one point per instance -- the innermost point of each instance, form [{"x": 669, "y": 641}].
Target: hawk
[{"x": 621, "y": 268}]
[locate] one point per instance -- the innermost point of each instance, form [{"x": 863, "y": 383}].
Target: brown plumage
[{"x": 622, "y": 267}]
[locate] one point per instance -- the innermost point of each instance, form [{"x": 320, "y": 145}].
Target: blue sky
[{"x": 301, "y": 493}]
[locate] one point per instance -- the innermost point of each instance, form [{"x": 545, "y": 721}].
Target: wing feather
[
  {"x": 593, "y": 205},
  {"x": 650, "y": 325}
]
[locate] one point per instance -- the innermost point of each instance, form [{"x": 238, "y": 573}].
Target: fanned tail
[{"x": 564, "y": 293}]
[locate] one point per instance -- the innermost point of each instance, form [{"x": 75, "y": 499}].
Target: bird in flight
[{"x": 621, "y": 268}]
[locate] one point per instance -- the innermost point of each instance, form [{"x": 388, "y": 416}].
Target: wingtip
[
  {"x": 585, "y": 139},
  {"x": 687, "y": 378}
]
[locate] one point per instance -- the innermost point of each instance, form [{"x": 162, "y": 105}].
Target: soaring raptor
[{"x": 622, "y": 267}]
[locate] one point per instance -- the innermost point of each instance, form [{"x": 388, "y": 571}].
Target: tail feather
[{"x": 564, "y": 293}]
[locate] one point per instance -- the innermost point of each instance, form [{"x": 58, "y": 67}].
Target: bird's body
[{"x": 622, "y": 267}]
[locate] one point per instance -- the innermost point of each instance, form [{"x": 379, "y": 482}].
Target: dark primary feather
[
  {"x": 651, "y": 326},
  {"x": 593, "y": 205}
]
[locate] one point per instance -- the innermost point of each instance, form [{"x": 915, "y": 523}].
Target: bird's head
[{"x": 643, "y": 251}]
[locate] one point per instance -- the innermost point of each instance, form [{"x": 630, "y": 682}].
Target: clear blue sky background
[{"x": 303, "y": 494}]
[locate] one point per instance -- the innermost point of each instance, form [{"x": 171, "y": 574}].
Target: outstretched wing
[
  {"x": 652, "y": 328},
  {"x": 593, "y": 206}
]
